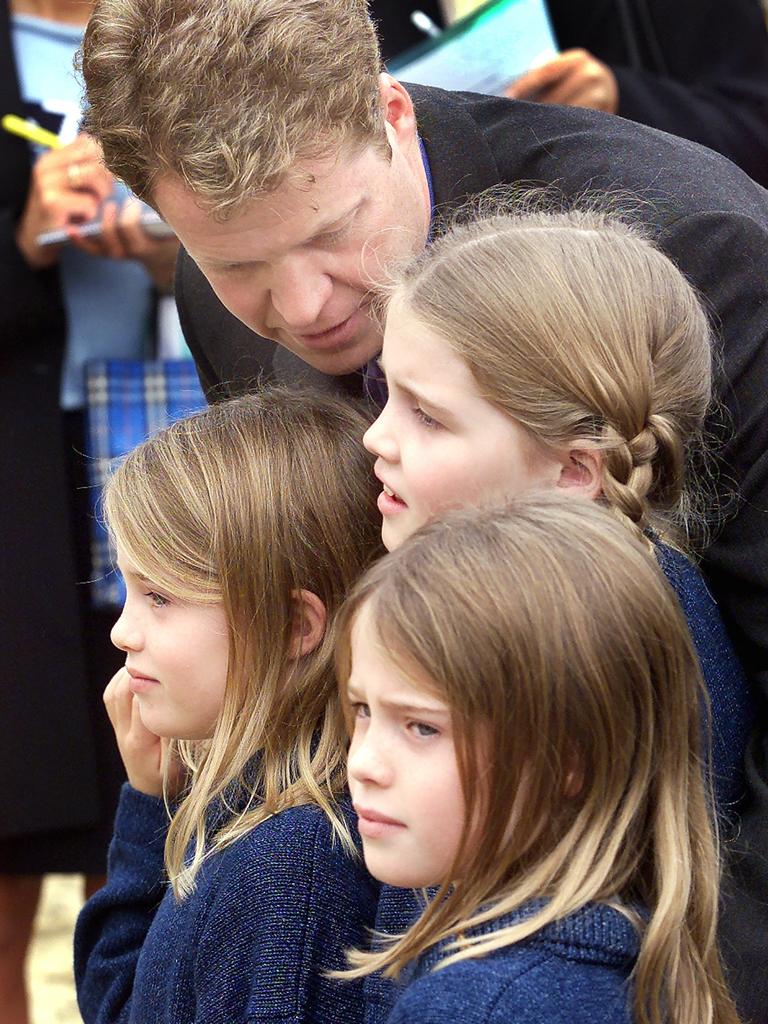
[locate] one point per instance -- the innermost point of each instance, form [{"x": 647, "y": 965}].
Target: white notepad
[{"x": 484, "y": 51}]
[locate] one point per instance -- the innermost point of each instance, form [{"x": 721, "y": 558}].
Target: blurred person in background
[
  {"x": 60, "y": 306},
  {"x": 697, "y": 69}
]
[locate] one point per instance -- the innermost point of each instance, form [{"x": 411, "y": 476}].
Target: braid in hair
[{"x": 643, "y": 473}]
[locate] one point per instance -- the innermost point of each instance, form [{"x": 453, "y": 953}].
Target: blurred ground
[{"x": 49, "y": 971}]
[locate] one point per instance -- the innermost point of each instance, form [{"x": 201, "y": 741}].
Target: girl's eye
[
  {"x": 361, "y": 711},
  {"x": 157, "y": 600},
  {"x": 422, "y": 730},
  {"x": 425, "y": 418}
]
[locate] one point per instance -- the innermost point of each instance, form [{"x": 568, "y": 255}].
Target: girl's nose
[
  {"x": 368, "y": 761},
  {"x": 125, "y": 634},
  {"x": 380, "y": 438}
]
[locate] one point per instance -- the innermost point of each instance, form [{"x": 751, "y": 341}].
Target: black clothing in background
[
  {"x": 55, "y": 781},
  {"x": 393, "y": 20},
  {"x": 712, "y": 220},
  {"x": 694, "y": 68}
]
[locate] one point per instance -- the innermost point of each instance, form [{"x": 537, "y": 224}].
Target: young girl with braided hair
[
  {"x": 541, "y": 350},
  {"x": 523, "y": 699},
  {"x": 239, "y": 531}
]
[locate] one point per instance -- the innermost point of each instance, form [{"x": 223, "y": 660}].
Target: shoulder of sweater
[
  {"x": 684, "y": 576},
  {"x": 288, "y": 876},
  {"x": 584, "y": 958},
  {"x": 295, "y": 849},
  {"x": 526, "y": 984}
]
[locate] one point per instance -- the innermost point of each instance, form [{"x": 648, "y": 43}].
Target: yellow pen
[{"x": 30, "y": 131}]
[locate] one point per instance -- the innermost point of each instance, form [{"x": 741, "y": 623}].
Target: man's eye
[{"x": 331, "y": 237}]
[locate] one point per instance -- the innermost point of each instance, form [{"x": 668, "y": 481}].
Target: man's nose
[{"x": 299, "y": 293}]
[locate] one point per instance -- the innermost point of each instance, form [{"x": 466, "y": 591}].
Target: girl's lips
[
  {"x": 374, "y": 826},
  {"x": 142, "y": 684},
  {"x": 389, "y": 503}
]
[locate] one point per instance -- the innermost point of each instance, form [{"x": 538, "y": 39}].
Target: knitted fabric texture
[
  {"x": 270, "y": 914},
  {"x": 574, "y": 971}
]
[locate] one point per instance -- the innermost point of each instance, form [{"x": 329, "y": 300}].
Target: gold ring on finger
[{"x": 74, "y": 175}]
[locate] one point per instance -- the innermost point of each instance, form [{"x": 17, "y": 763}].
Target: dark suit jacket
[
  {"x": 713, "y": 221},
  {"x": 47, "y": 759},
  {"x": 694, "y": 68}
]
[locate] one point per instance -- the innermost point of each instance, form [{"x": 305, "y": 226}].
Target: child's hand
[{"x": 143, "y": 753}]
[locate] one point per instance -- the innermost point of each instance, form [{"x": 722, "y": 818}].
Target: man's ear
[
  {"x": 582, "y": 472},
  {"x": 397, "y": 108},
  {"x": 309, "y": 621}
]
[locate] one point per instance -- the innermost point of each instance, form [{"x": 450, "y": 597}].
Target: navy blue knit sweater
[
  {"x": 730, "y": 697},
  {"x": 574, "y": 971},
  {"x": 269, "y": 915}
]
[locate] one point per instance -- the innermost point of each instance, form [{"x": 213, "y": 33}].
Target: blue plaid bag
[{"x": 127, "y": 400}]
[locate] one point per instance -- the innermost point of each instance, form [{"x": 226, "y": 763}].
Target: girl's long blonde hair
[
  {"x": 248, "y": 503},
  {"x": 575, "y": 691},
  {"x": 579, "y": 328}
]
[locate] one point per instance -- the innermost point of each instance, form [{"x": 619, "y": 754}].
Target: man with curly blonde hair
[{"x": 294, "y": 170}]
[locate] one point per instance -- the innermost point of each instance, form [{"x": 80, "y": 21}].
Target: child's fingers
[
  {"x": 140, "y": 749},
  {"x": 118, "y": 699},
  {"x": 139, "y": 735}
]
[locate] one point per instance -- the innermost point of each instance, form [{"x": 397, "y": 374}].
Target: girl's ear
[
  {"x": 309, "y": 620},
  {"x": 582, "y": 473}
]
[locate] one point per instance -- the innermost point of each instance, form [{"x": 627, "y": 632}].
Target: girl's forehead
[
  {"x": 417, "y": 356},
  {"x": 396, "y": 677},
  {"x": 123, "y": 560}
]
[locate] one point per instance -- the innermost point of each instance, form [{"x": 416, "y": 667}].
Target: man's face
[{"x": 298, "y": 265}]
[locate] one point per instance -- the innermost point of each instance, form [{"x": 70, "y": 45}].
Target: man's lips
[{"x": 332, "y": 337}]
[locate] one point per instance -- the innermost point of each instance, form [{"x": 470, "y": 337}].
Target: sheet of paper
[{"x": 484, "y": 51}]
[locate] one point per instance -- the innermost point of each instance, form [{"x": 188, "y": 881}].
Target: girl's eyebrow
[
  {"x": 419, "y": 709},
  {"x": 424, "y": 399},
  {"x": 410, "y": 389},
  {"x": 140, "y": 577}
]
